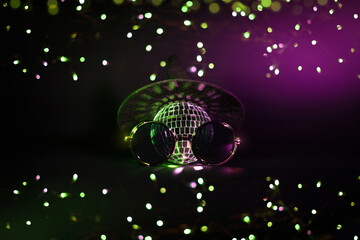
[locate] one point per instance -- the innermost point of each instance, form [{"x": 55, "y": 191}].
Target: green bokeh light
[
  {"x": 204, "y": 228},
  {"x": 204, "y": 25},
  {"x": 15, "y": 4},
  {"x": 163, "y": 190},
  {"x": 153, "y": 177},
  {"x": 266, "y": 3},
  {"x": 64, "y": 195},
  {"x": 246, "y": 34},
  {"x": 148, "y": 206}
]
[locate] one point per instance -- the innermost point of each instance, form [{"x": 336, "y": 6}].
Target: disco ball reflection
[{"x": 183, "y": 118}]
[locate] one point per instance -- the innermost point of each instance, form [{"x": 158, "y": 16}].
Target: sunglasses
[{"x": 154, "y": 143}]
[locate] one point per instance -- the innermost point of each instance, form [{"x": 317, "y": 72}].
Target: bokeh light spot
[
  {"x": 148, "y": 48},
  {"x": 152, "y": 77},
  {"x": 266, "y": 3},
  {"x": 148, "y": 206},
  {"x": 118, "y": 2},
  {"x": 159, "y": 223},
  {"x": 15, "y": 4},
  {"x": 246, "y": 34},
  {"x": 275, "y": 6},
  {"x": 187, "y": 22},
  {"x": 204, "y": 25},
  {"x": 214, "y": 7},
  {"x": 204, "y": 228},
  {"x": 322, "y": 2},
  {"x": 159, "y": 31}
]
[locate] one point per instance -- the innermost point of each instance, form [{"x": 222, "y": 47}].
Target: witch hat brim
[{"x": 143, "y": 104}]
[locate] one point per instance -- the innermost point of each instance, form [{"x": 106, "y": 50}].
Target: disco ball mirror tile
[{"x": 183, "y": 118}]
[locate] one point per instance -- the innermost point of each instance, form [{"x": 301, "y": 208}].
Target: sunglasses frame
[{"x": 236, "y": 142}]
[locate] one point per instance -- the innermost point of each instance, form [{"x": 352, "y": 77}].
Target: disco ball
[{"x": 183, "y": 118}]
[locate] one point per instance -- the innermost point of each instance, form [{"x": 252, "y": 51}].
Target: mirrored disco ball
[{"x": 183, "y": 118}]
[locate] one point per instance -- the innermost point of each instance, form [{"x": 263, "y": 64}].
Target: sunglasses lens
[
  {"x": 153, "y": 143},
  {"x": 213, "y": 143}
]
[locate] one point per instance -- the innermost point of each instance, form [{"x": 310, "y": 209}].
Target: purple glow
[
  {"x": 193, "y": 69},
  {"x": 201, "y": 87},
  {"x": 178, "y": 170},
  {"x": 193, "y": 184},
  {"x": 198, "y": 168}
]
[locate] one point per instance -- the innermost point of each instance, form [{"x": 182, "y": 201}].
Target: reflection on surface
[{"x": 74, "y": 197}]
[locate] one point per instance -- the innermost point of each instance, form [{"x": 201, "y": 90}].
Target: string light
[{"x": 201, "y": 186}]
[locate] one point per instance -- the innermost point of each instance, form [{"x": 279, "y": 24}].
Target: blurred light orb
[
  {"x": 159, "y": 31},
  {"x": 187, "y": 22},
  {"x": 148, "y": 48},
  {"x": 275, "y": 6},
  {"x": 246, "y": 34},
  {"x": 214, "y": 8},
  {"x": 201, "y": 73},
  {"x": 193, "y": 69},
  {"x": 204, "y": 25},
  {"x": 322, "y": 2},
  {"x": 156, "y": 2},
  {"x": 117, "y": 2},
  {"x": 266, "y": 3},
  {"x": 15, "y": 4}
]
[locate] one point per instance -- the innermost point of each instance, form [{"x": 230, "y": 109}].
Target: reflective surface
[
  {"x": 183, "y": 118},
  {"x": 153, "y": 143},
  {"x": 213, "y": 143}
]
